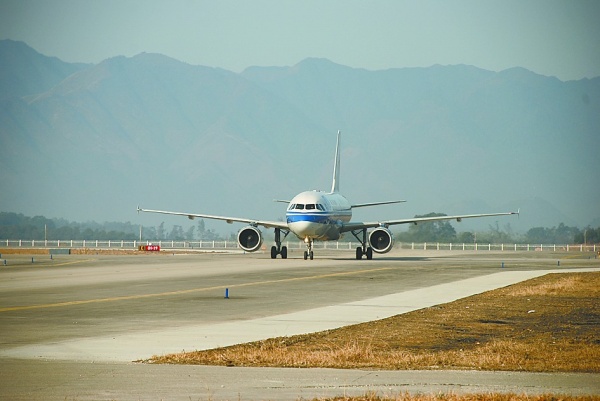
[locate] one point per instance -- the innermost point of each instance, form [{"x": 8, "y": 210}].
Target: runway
[{"x": 90, "y": 316}]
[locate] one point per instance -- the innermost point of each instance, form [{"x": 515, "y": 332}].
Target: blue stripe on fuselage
[
  {"x": 323, "y": 217},
  {"x": 309, "y": 217}
]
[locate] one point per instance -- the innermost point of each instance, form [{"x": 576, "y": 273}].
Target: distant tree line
[
  {"x": 443, "y": 231},
  {"x": 18, "y": 226},
  {"x": 198, "y": 232}
]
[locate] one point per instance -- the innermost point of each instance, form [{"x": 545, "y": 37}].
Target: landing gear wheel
[
  {"x": 277, "y": 249},
  {"x": 364, "y": 249},
  {"x": 309, "y": 249}
]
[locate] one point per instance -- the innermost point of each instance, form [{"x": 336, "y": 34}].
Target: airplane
[{"x": 322, "y": 216}]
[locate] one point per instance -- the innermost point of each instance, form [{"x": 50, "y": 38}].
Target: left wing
[
  {"x": 351, "y": 226},
  {"x": 192, "y": 216}
]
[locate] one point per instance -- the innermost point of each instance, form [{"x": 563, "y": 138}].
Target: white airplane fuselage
[{"x": 318, "y": 215}]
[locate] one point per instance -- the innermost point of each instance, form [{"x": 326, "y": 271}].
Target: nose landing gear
[{"x": 309, "y": 249}]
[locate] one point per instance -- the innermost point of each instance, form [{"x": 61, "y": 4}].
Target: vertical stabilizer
[{"x": 335, "y": 186}]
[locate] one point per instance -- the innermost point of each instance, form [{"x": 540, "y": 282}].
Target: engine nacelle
[
  {"x": 250, "y": 239},
  {"x": 381, "y": 240}
]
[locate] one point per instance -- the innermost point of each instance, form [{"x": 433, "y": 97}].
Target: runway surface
[{"x": 71, "y": 326}]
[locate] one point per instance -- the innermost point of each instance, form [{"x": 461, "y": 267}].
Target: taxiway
[{"x": 71, "y": 326}]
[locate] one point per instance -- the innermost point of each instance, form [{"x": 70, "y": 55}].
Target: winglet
[{"x": 335, "y": 185}]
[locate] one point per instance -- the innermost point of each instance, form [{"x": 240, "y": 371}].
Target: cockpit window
[{"x": 308, "y": 206}]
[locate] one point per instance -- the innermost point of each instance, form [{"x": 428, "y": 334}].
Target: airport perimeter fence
[{"x": 292, "y": 245}]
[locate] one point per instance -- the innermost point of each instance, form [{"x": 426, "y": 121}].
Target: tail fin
[{"x": 335, "y": 186}]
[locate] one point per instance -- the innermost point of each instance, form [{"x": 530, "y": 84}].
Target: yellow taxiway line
[{"x": 188, "y": 291}]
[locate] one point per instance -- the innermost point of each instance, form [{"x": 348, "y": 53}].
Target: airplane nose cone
[{"x": 304, "y": 228}]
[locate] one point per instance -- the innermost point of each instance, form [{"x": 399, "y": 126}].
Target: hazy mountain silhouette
[
  {"x": 90, "y": 142},
  {"x": 27, "y": 72}
]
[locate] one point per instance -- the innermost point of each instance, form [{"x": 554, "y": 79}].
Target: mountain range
[{"x": 92, "y": 141}]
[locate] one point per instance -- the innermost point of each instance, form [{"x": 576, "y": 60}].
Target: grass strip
[{"x": 547, "y": 324}]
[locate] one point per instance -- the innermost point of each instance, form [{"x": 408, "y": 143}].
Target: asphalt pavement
[{"x": 71, "y": 326}]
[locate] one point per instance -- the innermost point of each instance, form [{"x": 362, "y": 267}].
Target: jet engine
[
  {"x": 381, "y": 240},
  {"x": 250, "y": 239}
]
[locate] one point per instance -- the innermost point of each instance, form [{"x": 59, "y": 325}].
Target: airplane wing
[
  {"x": 351, "y": 226},
  {"x": 230, "y": 220},
  {"x": 377, "y": 203}
]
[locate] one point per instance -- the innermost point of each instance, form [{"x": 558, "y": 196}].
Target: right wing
[
  {"x": 377, "y": 203},
  {"x": 192, "y": 216},
  {"x": 351, "y": 226}
]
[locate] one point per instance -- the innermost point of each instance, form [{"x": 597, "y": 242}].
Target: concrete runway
[{"x": 70, "y": 327}]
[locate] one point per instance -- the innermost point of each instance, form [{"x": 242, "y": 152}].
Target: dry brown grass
[
  {"x": 74, "y": 251},
  {"x": 466, "y": 397},
  {"x": 567, "y": 282},
  {"x": 548, "y": 324},
  {"x": 24, "y": 251}
]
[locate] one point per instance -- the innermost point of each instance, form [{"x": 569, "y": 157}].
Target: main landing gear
[
  {"x": 309, "y": 249},
  {"x": 363, "y": 249},
  {"x": 278, "y": 249}
]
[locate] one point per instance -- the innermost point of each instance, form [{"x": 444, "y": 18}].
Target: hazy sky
[{"x": 559, "y": 38}]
